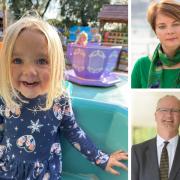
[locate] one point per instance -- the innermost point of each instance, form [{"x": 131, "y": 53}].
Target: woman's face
[{"x": 168, "y": 31}]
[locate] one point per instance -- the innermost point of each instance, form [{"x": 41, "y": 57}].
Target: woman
[{"x": 162, "y": 70}]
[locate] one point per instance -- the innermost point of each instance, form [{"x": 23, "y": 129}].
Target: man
[{"x": 159, "y": 158}]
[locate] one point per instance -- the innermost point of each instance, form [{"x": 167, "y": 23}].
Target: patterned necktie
[{"x": 164, "y": 163}]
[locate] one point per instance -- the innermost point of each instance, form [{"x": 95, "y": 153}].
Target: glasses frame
[{"x": 167, "y": 110}]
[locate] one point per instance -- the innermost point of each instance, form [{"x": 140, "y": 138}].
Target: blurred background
[
  {"x": 143, "y": 106},
  {"x": 60, "y": 13},
  {"x": 143, "y": 40},
  {"x": 70, "y": 17}
]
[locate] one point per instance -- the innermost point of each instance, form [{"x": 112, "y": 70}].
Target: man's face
[{"x": 167, "y": 115}]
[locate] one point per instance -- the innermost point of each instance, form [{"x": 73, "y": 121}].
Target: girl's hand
[{"x": 114, "y": 160}]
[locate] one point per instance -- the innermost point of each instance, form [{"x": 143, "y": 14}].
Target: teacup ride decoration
[{"x": 93, "y": 65}]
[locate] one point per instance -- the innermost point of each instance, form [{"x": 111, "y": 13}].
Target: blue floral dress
[{"x": 30, "y": 146}]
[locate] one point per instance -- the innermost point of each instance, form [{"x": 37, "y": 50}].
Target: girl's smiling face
[
  {"x": 168, "y": 31},
  {"x": 30, "y": 68}
]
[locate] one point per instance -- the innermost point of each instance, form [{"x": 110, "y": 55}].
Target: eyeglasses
[{"x": 167, "y": 110}]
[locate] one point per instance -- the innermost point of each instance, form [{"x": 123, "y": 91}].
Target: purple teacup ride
[{"x": 93, "y": 64}]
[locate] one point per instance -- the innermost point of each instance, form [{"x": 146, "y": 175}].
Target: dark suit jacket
[{"x": 144, "y": 162}]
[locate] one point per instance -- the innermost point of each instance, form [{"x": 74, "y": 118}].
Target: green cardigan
[{"x": 139, "y": 76}]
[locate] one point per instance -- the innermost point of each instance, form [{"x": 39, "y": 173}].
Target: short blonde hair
[
  {"x": 170, "y": 8},
  {"x": 55, "y": 55}
]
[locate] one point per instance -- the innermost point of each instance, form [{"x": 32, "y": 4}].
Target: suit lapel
[
  {"x": 153, "y": 160},
  {"x": 176, "y": 162}
]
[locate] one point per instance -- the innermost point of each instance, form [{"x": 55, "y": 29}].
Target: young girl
[
  {"x": 96, "y": 37},
  {"x": 82, "y": 39},
  {"x": 35, "y": 110}
]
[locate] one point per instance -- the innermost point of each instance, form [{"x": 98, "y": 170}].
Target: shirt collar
[{"x": 173, "y": 141}]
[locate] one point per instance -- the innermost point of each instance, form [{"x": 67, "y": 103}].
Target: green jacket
[{"x": 139, "y": 76}]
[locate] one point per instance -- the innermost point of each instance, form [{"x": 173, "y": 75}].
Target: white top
[{"x": 171, "y": 148}]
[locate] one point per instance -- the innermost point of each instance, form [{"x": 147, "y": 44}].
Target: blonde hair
[
  {"x": 83, "y": 33},
  {"x": 55, "y": 55},
  {"x": 169, "y": 8}
]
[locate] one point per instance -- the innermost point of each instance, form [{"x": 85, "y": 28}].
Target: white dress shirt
[{"x": 171, "y": 148}]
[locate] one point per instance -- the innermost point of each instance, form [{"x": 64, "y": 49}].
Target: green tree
[
  {"x": 80, "y": 11},
  {"x": 19, "y": 7}
]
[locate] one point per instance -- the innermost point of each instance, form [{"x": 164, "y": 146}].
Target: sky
[{"x": 53, "y": 10}]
